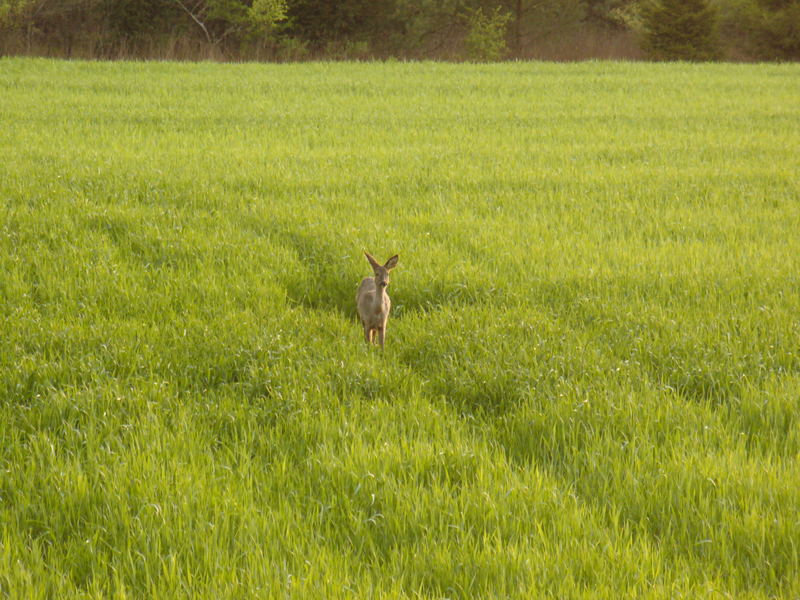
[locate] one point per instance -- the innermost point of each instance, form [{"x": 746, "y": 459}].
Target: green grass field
[{"x": 591, "y": 380}]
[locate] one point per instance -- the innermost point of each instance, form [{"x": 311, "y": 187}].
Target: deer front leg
[{"x": 367, "y": 333}]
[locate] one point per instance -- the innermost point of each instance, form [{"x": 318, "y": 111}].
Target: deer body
[{"x": 373, "y": 302}]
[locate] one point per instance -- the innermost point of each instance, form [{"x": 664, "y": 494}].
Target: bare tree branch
[{"x": 197, "y": 20}]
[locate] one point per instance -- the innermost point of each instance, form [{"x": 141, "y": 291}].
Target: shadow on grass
[
  {"x": 150, "y": 248},
  {"x": 329, "y": 268}
]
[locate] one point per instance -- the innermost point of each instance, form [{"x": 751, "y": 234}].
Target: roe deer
[{"x": 373, "y": 301}]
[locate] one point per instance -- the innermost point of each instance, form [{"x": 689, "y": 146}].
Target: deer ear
[
  {"x": 372, "y": 261},
  {"x": 391, "y": 263}
]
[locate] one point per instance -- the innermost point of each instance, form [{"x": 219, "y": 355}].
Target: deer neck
[{"x": 380, "y": 295}]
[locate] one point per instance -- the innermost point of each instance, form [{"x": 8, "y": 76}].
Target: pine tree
[{"x": 679, "y": 30}]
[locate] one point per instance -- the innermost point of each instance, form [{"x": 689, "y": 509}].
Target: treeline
[{"x": 479, "y": 30}]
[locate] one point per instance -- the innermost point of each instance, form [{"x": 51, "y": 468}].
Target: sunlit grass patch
[{"x": 590, "y": 381}]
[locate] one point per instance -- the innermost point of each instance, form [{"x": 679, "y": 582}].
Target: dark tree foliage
[
  {"x": 602, "y": 12},
  {"x": 443, "y": 29},
  {"x": 778, "y": 38},
  {"x": 680, "y": 30},
  {"x": 322, "y": 22},
  {"x": 64, "y": 23},
  {"x": 133, "y": 19},
  {"x": 531, "y": 21}
]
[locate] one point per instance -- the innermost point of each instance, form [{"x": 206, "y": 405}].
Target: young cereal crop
[{"x": 590, "y": 384}]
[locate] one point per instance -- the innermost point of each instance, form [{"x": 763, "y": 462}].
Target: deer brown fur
[{"x": 373, "y": 301}]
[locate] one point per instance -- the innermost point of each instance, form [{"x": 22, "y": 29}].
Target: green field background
[{"x": 591, "y": 379}]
